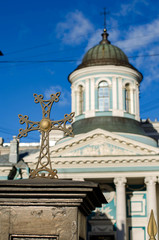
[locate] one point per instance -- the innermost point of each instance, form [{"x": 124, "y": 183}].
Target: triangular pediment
[{"x": 101, "y": 143}]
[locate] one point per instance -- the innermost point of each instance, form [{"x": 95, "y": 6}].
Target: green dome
[{"x": 105, "y": 54}]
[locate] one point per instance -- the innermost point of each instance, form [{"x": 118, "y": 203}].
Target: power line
[
  {"x": 66, "y": 60},
  {"x": 150, "y": 108},
  {"x": 38, "y": 61},
  {"x": 12, "y": 132},
  {"x": 30, "y": 48},
  {"x": 145, "y": 55},
  {"x": 150, "y": 102}
]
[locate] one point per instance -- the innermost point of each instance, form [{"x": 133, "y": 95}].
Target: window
[
  {"x": 103, "y": 96},
  {"x": 81, "y": 99},
  {"x": 127, "y": 97}
]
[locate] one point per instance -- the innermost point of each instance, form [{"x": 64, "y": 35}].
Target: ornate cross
[{"x": 45, "y": 126}]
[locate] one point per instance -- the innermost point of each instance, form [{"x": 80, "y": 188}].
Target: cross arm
[
  {"x": 46, "y": 104},
  {"x": 61, "y": 124},
  {"x": 30, "y": 126}
]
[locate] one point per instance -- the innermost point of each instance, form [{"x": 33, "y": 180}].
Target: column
[
  {"x": 151, "y": 196},
  {"x": 120, "y": 207}
]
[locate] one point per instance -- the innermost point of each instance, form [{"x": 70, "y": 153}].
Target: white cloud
[
  {"x": 75, "y": 29},
  {"x": 137, "y": 40},
  {"x": 125, "y": 9},
  {"x": 65, "y": 96},
  {"x": 94, "y": 39},
  {"x": 148, "y": 66},
  {"x": 138, "y": 37}
]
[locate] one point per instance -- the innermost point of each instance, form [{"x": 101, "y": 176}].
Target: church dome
[{"x": 105, "y": 54}]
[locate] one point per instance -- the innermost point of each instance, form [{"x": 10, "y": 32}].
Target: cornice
[
  {"x": 109, "y": 161},
  {"x": 107, "y": 68},
  {"x": 83, "y": 138}
]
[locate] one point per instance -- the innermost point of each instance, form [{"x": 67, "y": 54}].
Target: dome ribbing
[{"x": 105, "y": 54}]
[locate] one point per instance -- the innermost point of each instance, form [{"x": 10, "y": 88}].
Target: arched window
[
  {"x": 103, "y": 96},
  {"x": 127, "y": 97},
  {"x": 81, "y": 99}
]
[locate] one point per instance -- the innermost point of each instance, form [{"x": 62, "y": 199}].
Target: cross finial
[{"x": 105, "y": 14}]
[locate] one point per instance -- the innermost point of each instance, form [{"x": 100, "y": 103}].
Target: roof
[
  {"x": 4, "y": 160},
  {"x": 109, "y": 123},
  {"x": 105, "y": 54}
]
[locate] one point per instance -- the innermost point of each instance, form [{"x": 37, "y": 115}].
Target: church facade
[{"x": 111, "y": 146}]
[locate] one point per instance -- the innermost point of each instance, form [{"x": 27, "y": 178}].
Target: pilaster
[
  {"x": 87, "y": 95},
  {"x": 137, "y": 103},
  {"x": 120, "y": 98},
  {"x": 114, "y": 93},
  {"x": 92, "y": 95},
  {"x": 73, "y": 98},
  {"x": 131, "y": 101}
]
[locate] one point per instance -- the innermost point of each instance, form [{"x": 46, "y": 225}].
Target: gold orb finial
[{"x": 45, "y": 124}]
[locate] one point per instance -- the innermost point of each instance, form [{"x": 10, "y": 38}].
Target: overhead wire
[
  {"x": 10, "y": 132},
  {"x": 65, "y": 60},
  {"x": 29, "y": 48}
]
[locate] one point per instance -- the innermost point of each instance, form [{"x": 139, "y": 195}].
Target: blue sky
[{"x": 43, "y": 30}]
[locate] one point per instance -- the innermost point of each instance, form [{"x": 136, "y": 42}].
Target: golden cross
[{"x": 45, "y": 126}]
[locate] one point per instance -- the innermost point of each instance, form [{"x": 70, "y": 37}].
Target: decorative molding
[
  {"x": 37, "y": 213},
  {"x": 137, "y": 232},
  {"x": 146, "y": 149},
  {"x": 136, "y": 204},
  {"x": 58, "y": 211},
  {"x": 125, "y": 81},
  {"x": 80, "y": 83},
  {"x": 100, "y": 79},
  {"x": 120, "y": 181},
  {"x": 106, "y": 160},
  {"x": 106, "y": 70},
  {"x": 150, "y": 180}
]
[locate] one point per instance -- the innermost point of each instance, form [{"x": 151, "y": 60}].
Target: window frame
[{"x": 103, "y": 96}]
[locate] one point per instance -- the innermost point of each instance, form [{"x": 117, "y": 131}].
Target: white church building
[{"x": 111, "y": 145}]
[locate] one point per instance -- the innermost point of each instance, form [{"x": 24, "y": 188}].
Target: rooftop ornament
[
  {"x": 105, "y": 34},
  {"x": 152, "y": 227},
  {"x": 44, "y": 168}
]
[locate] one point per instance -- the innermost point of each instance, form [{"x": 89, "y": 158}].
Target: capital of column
[
  {"x": 150, "y": 180},
  {"x": 120, "y": 181}
]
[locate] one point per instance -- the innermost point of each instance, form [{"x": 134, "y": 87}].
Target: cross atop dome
[
  {"x": 104, "y": 34},
  {"x": 104, "y": 13}
]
